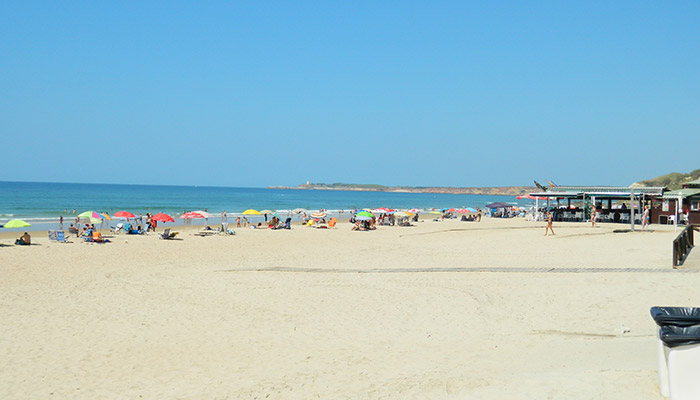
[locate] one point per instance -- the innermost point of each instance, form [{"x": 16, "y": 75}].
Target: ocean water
[{"x": 41, "y": 204}]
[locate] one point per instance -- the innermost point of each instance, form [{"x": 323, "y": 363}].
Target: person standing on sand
[
  {"x": 548, "y": 218},
  {"x": 60, "y": 222},
  {"x": 645, "y": 218},
  {"x": 238, "y": 222},
  {"x": 593, "y": 214}
]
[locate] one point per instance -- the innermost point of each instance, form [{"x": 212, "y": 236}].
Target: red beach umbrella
[
  {"x": 190, "y": 215},
  {"x": 530, "y": 197},
  {"x": 124, "y": 214},
  {"x": 162, "y": 218}
]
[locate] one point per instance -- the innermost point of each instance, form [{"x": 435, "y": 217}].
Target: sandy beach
[{"x": 490, "y": 310}]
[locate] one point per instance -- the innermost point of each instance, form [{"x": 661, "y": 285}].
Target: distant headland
[{"x": 500, "y": 191}]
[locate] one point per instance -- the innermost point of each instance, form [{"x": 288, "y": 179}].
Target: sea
[{"x": 42, "y": 204}]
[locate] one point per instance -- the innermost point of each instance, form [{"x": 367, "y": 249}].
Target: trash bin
[
  {"x": 682, "y": 345},
  {"x": 676, "y": 316},
  {"x": 673, "y": 316}
]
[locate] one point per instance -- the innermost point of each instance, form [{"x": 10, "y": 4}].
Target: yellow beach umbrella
[
  {"x": 16, "y": 223},
  {"x": 250, "y": 211}
]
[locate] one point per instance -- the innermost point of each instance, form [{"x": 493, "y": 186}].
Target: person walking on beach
[
  {"x": 224, "y": 221},
  {"x": 238, "y": 222},
  {"x": 645, "y": 218},
  {"x": 60, "y": 222},
  {"x": 593, "y": 214},
  {"x": 548, "y": 218}
]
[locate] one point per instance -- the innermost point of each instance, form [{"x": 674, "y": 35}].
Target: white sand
[{"x": 192, "y": 319}]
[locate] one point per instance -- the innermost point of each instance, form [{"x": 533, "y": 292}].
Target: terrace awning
[{"x": 684, "y": 193}]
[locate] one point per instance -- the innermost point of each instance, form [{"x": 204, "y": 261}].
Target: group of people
[{"x": 365, "y": 225}]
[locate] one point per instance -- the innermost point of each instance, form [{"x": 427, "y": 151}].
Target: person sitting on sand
[
  {"x": 24, "y": 240},
  {"x": 358, "y": 226}
]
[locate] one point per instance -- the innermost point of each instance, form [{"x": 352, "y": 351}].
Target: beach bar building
[
  {"x": 682, "y": 205},
  {"x": 613, "y": 204}
]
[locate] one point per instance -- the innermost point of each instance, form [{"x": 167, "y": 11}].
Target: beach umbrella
[
  {"x": 266, "y": 212},
  {"x": 298, "y": 210},
  {"x": 530, "y": 197},
  {"x": 191, "y": 214},
  {"x": 414, "y": 210},
  {"x": 498, "y": 205},
  {"x": 466, "y": 210},
  {"x": 124, "y": 214},
  {"x": 250, "y": 211},
  {"x": 318, "y": 214},
  {"x": 162, "y": 218},
  {"x": 92, "y": 216},
  {"x": 204, "y": 214},
  {"x": 404, "y": 214},
  {"x": 364, "y": 216},
  {"x": 17, "y": 223},
  {"x": 435, "y": 212}
]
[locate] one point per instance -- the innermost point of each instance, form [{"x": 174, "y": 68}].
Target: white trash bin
[
  {"x": 662, "y": 355},
  {"x": 675, "y": 316},
  {"x": 682, "y": 350}
]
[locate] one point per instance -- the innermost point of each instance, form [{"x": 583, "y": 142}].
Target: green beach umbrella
[
  {"x": 17, "y": 223},
  {"x": 364, "y": 216}
]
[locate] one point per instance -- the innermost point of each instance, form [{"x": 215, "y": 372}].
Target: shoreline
[{"x": 476, "y": 191}]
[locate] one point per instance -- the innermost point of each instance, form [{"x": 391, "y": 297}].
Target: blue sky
[{"x": 394, "y": 93}]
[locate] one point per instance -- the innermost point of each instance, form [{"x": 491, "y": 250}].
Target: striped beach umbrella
[
  {"x": 364, "y": 216},
  {"x": 318, "y": 214},
  {"x": 92, "y": 216},
  {"x": 191, "y": 215}
]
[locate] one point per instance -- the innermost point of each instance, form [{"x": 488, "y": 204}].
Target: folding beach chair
[
  {"x": 166, "y": 234},
  {"x": 287, "y": 224}
]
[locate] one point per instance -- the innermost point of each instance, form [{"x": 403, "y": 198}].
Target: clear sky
[{"x": 258, "y": 93}]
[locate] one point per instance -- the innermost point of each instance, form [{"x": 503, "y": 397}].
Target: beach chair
[
  {"x": 287, "y": 223},
  {"x": 118, "y": 228},
  {"x": 57, "y": 236},
  {"x": 167, "y": 234},
  {"x": 311, "y": 222},
  {"x": 332, "y": 222}
]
